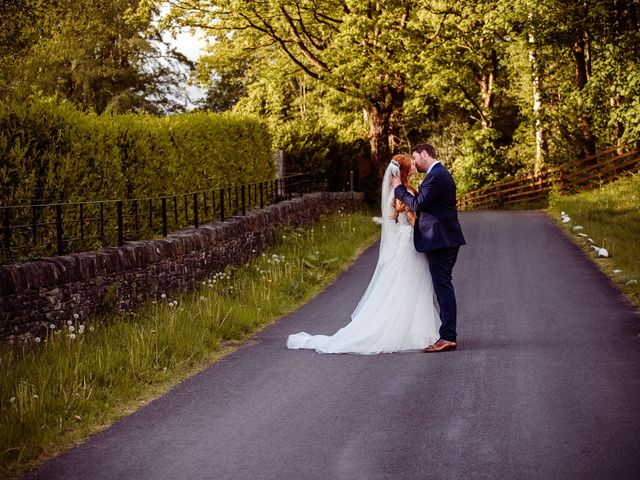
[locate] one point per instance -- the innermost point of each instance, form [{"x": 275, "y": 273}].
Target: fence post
[
  {"x": 221, "y": 204},
  {"x": 164, "y": 216},
  {"x": 244, "y": 210},
  {"x": 261, "y": 195},
  {"x": 135, "y": 216},
  {"x": 101, "y": 219},
  {"x": 7, "y": 230},
  {"x": 81, "y": 224},
  {"x": 59, "y": 232},
  {"x": 120, "y": 223},
  {"x": 195, "y": 210}
]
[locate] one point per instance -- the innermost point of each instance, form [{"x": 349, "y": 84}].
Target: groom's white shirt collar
[{"x": 432, "y": 165}]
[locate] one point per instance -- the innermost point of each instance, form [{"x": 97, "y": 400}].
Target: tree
[
  {"x": 364, "y": 49},
  {"x": 95, "y": 53}
]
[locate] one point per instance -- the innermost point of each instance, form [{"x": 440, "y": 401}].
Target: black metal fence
[{"x": 44, "y": 229}]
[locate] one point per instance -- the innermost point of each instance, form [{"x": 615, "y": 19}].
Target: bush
[
  {"x": 53, "y": 152},
  {"x": 320, "y": 151}
]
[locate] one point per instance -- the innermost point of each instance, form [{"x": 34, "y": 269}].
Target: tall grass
[
  {"x": 92, "y": 371},
  {"x": 610, "y": 217}
]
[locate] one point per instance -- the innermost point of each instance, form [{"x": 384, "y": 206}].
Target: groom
[{"x": 437, "y": 233}]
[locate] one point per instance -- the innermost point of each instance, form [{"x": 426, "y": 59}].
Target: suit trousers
[{"x": 441, "y": 262}]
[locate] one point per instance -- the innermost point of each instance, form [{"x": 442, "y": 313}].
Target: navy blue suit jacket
[{"x": 437, "y": 225}]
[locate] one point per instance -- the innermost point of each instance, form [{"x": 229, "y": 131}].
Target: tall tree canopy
[
  {"x": 363, "y": 49},
  {"x": 97, "y": 53}
]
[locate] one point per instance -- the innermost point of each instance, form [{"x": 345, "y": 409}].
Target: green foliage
[
  {"x": 51, "y": 151},
  {"x": 320, "y": 151},
  {"x": 481, "y": 162},
  {"x": 96, "y": 53},
  {"x": 65, "y": 389}
]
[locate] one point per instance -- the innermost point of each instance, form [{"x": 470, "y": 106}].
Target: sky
[{"x": 192, "y": 47}]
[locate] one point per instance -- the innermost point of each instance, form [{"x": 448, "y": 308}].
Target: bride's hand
[{"x": 395, "y": 181}]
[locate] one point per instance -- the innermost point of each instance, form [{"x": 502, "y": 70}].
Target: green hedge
[{"x": 51, "y": 151}]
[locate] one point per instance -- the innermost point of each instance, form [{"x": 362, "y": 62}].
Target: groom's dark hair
[{"x": 425, "y": 147}]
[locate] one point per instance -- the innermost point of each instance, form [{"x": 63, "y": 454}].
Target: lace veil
[{"x": 388, "y": 239}]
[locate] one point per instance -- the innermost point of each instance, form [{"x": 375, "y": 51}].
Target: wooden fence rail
[{"x": 584, "y": 174}]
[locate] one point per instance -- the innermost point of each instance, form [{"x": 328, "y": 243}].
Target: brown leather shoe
[{"x": 440, "y": 346}]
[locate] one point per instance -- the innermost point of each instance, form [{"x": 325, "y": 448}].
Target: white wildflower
[
  {"x": 617, "y": 271},
  {"x": 72, "y": 336},
  {"x": 38, "y": 339},
  {"x": 602, "y": 252},
  {"x": 71, "y": 328},
  {"x": 582, "y": 235},
  {"x": 12, "y": 400},
  {"x": 36, "y": 397},
  {"x": 69, "y": 322},
  {"x": 578, "y": 227},
  {"x": 81, "y": 329},
  {"x": 52, "y": 326},
  {"x": 91, "y": 328},
  {"x": 164, "y": 295},
  {"x": 76, "y": 316}
]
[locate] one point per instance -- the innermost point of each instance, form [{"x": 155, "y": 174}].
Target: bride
[{"x": 397, "y": 311}]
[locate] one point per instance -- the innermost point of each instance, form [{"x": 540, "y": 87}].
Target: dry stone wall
[{"x": 38, "y": 293}]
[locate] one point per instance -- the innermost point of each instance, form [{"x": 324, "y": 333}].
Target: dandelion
[
  {"x": 201, "y": 297},
  {"x": 36, "y": 397},
  {"x": 38, "y": 339},
  {"x": 12, "y": 400},
  {"x": 91, "y": 328},
  {"x": 52, "y": 326},
  {"x": 71, "y": 328},
  {"x": 76, "y": 316},
  {"x": 69, "y": 322},
  {"x": 81, "y": 329},
  {"x": 163, "y": 295},
  {"x": 72, "y": 336}
]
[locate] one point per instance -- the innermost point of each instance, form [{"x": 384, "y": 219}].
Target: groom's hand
[{"x": 395, "y": 181}]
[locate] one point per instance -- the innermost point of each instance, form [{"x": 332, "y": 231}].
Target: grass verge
[
  {"x": 608, "y": 218},
  {"x": 80, "y": 379}
]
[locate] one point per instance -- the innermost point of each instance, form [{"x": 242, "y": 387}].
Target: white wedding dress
[{"x": 396, "y": 312}]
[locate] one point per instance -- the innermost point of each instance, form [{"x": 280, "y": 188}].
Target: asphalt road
[{"x": 545, "y": 384}]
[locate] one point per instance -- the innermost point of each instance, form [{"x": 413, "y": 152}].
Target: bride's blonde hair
[{"x": 405, "y": 162}]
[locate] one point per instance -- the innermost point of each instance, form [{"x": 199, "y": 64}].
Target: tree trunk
[
  {"x": 584, "y": 121},
  {"x": 379, "y": 139},
  {"x": 385, "y": 118},
  {"x": 542, "y": 149},
  {"x": 487, "y": 82}
]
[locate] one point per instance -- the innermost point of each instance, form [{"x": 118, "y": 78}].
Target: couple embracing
[{"x": 419, "y": 246}]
